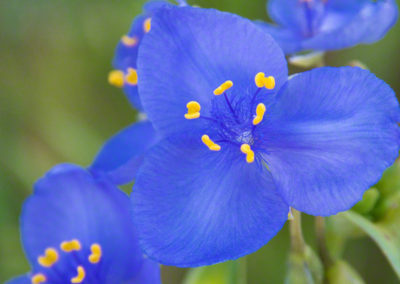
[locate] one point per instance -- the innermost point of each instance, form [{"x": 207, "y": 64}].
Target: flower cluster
[{"x": 229, "y": 145}]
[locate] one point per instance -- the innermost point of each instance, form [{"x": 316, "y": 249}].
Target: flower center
[
  {"x": 69, "y": 250},
  {"x": 230, "y": 116}
]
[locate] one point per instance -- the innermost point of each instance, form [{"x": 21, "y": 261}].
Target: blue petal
[
  {"x": 126, "y": 56},
  {"x": 330, "y": 137},
  {"x": 343, "y": 24},
  {"x": 68, "y": 203},
  {"x": 196, "y": 207},
  {"x": 149, "y": 273},
  {"x": 190, "y": 52},
  {"x": 121, "y": 155},
  {"x": 24, "y": 279}
]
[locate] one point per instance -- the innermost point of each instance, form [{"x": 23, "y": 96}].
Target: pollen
[
  {"x": 210, "y": 144},
  {"x": 80, "y": 275},
  {"x": 132, "y": 77},
  {"x": 259, "y": 79},
  {"x": 116, "y": 78},
  {"x": 260, "y": 114},
  {"x": 262, "y": 81},
  {"x": 96, "y": 253},
  {"x": 69, "y": 246},
  {"x": 193, "y": 110},
  {"x": 223, "y": 88},
  {"x": 269, "y": 82},
  {"x": 246, "y": 149},
  {"x": 129, "y": 41},
  {"x": 147, "y": 25},
  {"x": 49, "y": 258},
  {"x": 38, "y": 278}
]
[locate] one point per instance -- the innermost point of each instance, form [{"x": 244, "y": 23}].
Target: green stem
[
  {"x": 321, "y": 242},
  {"x": 238, "y": 271},
  {"x": 296, "y": 234}
]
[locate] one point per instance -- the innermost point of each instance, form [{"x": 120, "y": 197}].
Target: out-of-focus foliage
[
  {"x": 231, "y": 272},
  {"x": 56, "y": 106}
]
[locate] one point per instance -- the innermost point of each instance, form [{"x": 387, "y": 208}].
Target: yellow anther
[
  {"x": 147, "y": 25},
  {"x": 246, "y": 149},
  {"x": 49, "y": 258},
  {"x": 129, "y": 41},
  {"x": 38, "y": 278},
  {"x": 193, "y": 110},
  {"x": 132, "y": 76},
  {"x": 221, "y": 89},
  {"x": 96, "y": 253},
  {"x": 269, "y": 82},
  {"x": 116, "y": 78},
  {"x": 69, "y": 246},
  {"x": 259, "y": 79},
  {"x": 80, "y": 275},
  {"x": 260, "y": 114},
  {"x": 210, "y": 144}
]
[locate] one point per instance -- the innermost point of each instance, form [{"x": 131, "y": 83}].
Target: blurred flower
[
  {"x": 329, "y": 24},
  {"x": 242, "y": 143},
  {"x": 76, "y": 229},
  {"x": 125, "y": 74}
]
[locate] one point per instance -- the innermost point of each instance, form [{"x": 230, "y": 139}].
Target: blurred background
[{"x": 56, "y": 106}]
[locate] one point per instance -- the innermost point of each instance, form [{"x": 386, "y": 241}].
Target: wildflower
[
  {"x": 76, "y": 229},
  {"x": 329, "y": 24},
  {"x": 242, "y": 143},
  {"x": 125, "y": 74}
]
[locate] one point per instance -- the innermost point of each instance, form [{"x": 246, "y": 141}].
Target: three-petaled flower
[
  {"x": 329, "y": 24},
  {"x": 242, "y": 143},
  {"x": 77, "y": 229}
]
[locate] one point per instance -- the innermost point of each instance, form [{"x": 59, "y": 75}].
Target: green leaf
[
  {"x": 386, "y": 232},
  {"x": 368, "y": 202},
  {"x": 231, "y": 272},
  {"x": 304, "y": 268},
  {"x": 342, "y": 273}
]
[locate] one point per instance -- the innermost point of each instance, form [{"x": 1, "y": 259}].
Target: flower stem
[
  {"x": 296, "y": 234},
  {"x": 321, "y": 242}
]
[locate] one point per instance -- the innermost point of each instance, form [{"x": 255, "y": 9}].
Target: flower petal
[
  {"x": 330, "y": 137},
  {"x": 126, "y": 53},
  {"x": 192, "y": 51},
  {"x": 149, "y": 273},
  {"x": 121, "y": 156},
  {"x": 196, "y": 207},
  {"x": 68, "y": 203},
  {"x": 24, "y": 279}
]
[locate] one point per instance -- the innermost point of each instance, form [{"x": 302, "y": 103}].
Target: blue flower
[
  {"x": 242, "y": 143},
  {"x": 76, "y": 229},
  {"x": 125, "y": 74},
  {"x": 329, "y": 24}
]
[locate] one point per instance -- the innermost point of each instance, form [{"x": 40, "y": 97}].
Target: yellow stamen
[
  {"x": 221, "y": 89},
  {"x": 147, "y": 25},
  {"x": 193, "y": 110},
  {"x": 96, "y": 253},
  {"x": 69, "y": 246},
  {"x": 116, "y": 78},
  {"x": 129, "y": 41},
  {"x": 80, "y": 276},
  {"x": 38, "y": 278},
  {"x": 132, "y": 76},
  {"x": 49, "y": 258},
  {"x": 259, "y": 79},
  {"x": 210, "y": 144},
  {"x": 260, "y": 114},
  {"x": 269, "y": 82},
  {"x": 246, "y": 149}
]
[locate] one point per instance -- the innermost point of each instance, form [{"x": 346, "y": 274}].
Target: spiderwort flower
[
  {"x": 329, "y": 24},
  {"x": 242, "y": 143},
  {"x": 76, "y": 229},
  {"x": 125, "y": 74}
]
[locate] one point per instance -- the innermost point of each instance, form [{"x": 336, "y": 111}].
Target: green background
[{"x": 56, "y": 106}]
